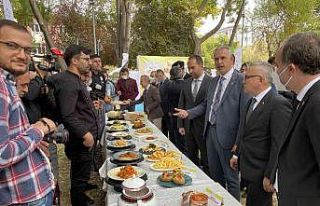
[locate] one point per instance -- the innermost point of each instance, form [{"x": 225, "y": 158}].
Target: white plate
[
  {"x": 149, "y": 141},
  {"x": 119, "y": 121},
  {"x": 111, "y": 144},
  {"x": 119, "y": 134},
  {"x": 113, "y": 173}
]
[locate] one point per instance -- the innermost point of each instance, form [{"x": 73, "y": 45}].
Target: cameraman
[{"x": 78, "y": 115}]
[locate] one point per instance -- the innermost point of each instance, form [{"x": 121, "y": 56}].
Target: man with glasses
[
  {"x": 263, "y": 125},
  {"x": 25, "y": 174},
  {"x": 77, "y": 114},
  {"x": 298, "y": 172},
  {"x": 221, "y": 107}
]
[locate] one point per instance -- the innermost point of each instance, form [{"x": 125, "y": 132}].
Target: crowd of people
[{"x": 237, "y": 121}]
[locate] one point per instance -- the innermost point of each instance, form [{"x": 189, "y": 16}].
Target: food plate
[
  {"x": 111, "y": 122},
  {"x": 119, "y": 144},
  {"x": 126, "y": 156},
  {"x": 150, "y": 138},
  {"x": 151, "y": 148},
  {"x": 188, "y": 181},
  {"x": 166, "y": 164},
  {"x": 143, "y": 131},
  {"x": 113, "y": 173},
  {"x": 116, "y": 128},
  {"x": 158, "y": 155}
]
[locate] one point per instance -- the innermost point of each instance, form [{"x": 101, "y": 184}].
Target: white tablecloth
[{"x": 168, "y": 196}]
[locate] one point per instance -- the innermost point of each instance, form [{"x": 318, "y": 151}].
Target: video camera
[{"x": 61, "y": 135}]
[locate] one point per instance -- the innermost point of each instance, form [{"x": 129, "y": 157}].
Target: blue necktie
[{"x": 216, "y": 101}]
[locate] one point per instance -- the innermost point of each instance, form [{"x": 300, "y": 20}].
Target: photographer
[{"x": 77, "y": 113}]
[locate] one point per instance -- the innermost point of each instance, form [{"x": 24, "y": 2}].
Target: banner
[
  {"x": 7, "y": 10},
  {"x": 238, "y": 58},
  {"x": 147, "y": 64}
]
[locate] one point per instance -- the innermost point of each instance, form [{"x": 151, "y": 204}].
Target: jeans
[{"x": 45, "y": 201}]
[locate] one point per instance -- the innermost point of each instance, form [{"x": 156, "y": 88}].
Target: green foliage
[{"x": 165, "y": 27}]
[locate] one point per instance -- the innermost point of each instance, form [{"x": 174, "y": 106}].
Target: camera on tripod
[{"x": 61, "y": 135}]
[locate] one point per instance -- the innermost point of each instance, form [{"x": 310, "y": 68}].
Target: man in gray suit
[
  {"x": 151, "y": 101},
  {"x": 222, "y": 106},
  {"x": 193, "y": 93}
]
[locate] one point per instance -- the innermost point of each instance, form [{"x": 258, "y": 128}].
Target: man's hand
[
  {"x": 127, "y": 102},
  {"x": 45, "y": 125},
  {"x": 267, "y": 185},
  {"x": 119, "y": 93},
  {"x": 234, "y": 163},
  {"x": 182, "y": 131},
  {"x": 88, "y": 140},
  {"x": 181, "y": 113},
  {"x": 44, "y": 146}
]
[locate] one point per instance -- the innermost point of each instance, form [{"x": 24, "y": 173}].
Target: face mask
[
  {"x": 124, "y": 77},
  {"x": 286, "y": 84}
]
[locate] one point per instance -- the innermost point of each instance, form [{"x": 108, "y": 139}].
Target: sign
[{"x": 7, "y": 10}]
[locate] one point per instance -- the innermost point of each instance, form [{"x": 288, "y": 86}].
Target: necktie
[
  {"x": 250, "y": 109},
  {"x": 195, "y": 89},
  {"x": 216, "y": 101}
]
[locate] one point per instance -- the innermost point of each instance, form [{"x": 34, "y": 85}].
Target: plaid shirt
[{"x": 25, "y": 173}]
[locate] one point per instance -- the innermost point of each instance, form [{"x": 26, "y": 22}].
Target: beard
[{"x": 15, "y": 72}]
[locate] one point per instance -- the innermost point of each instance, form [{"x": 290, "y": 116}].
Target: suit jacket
[
  {"x": 128, "y": 88},
  {"x": 164, "y": 94},
  {"x": 261, "y": 136},
  {"x": 232, "y": 103},
  {"x": 186, "y": 102},
  {"x": 299, "y": 155},
  {"x": 151, "y": 99}
]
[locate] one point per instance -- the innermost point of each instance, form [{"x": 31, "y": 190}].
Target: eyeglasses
[
  {"x": 16, "y": 47},
  {"x": 246, "y": 77}
]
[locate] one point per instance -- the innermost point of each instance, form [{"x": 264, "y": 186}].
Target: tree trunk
[
  {"x": 234, "y": 29},
  {"x": 45, "y": 32}
]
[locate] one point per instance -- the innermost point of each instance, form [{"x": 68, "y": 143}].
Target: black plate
[
  {"x": 111, "y": 138},
  {"x": 132, "y": 163},
  {"x": 117, "y": 183},
  {"x": 115, "y": 156}
]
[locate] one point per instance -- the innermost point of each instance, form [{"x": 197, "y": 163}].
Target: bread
[
  {"x": 179, "y": 179},
  {"x": 166, "y": 176}
]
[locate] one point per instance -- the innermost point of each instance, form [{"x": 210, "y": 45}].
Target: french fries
[{"x": 168, "y": 163}]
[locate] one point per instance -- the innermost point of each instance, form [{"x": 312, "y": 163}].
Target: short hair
[
  {"x": 93, "y": 56},
  {"x": 198, "y": 59},
  {"x": 174, "y": 73},
  {"x": 12, "y": 24},
  {"x": 266, "y": 67},
  {"x": 226, "y": 48},
  {"x": 160, "y": 71},
  {"x": 123, "y": 70},
  {"x": 74, "y": 50},
  {"x": 145, "y": 76},
  {"x": 302, "y": 49},
  {"x": 178, "y": 63}
]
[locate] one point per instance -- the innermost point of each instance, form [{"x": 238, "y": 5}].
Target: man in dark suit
[
  {"x": 262, "y": 128},
  {"x": 298, "y": 171},
  {"x": 193, "y": 93},
  {"x": 222, "y": 106},
  {"x": 151, "y": 101},
  {"x": 163, "y": 85}
]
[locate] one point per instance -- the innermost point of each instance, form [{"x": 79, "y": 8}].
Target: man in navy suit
[
  {"x": 298, "y": 66},
  {"x": 222, "y": 106}
]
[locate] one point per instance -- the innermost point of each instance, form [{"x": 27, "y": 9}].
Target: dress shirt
[
  {"x": 25, "y": 173},
  {"x": 260, "y": 96},
  {"x": 306, "y": 88},
  {"x": 199, "y": 81}
]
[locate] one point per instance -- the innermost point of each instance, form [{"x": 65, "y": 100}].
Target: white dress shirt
[
  {"x": 260, "y": 96},
  {"x": 199, "y": 81}
]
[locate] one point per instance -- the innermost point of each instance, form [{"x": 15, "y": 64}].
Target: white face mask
[
  {"x": 288, "y": 81},
  {"x": 124, "y": 77}
]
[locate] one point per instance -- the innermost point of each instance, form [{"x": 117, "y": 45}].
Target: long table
[{"x": 168, "y": 196}]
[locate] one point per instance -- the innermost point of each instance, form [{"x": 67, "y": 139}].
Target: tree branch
[
  {"x": 234, "y": 29},
  {"x": 218, "y": 26}
]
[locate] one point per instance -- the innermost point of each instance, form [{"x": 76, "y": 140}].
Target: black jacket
[
  {"x": 75, "y": 108},
  {"x": 163, "y": 89}
]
